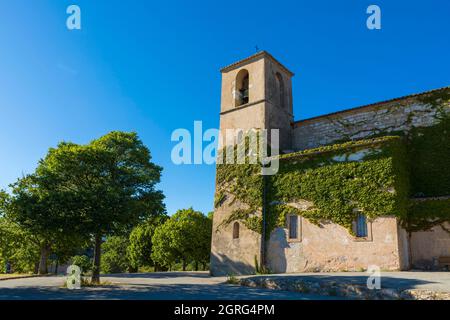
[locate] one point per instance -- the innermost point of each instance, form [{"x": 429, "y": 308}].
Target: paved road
[
  {"x": 434, "y": 281},
  {"x": 200, "y": 286},
  {"x": 154, "y": 286}
]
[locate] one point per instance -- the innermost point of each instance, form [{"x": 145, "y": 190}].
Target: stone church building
[{"x": 257, "y": 94}]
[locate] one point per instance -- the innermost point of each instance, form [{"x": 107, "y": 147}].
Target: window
[
  {"x": 280, "y": 86},
  {"x": 361, "y": 226},
  {"x": 236, "y": 230},
  {"x": 293, "y": 227},
  {"x": 242, "y": 88}
]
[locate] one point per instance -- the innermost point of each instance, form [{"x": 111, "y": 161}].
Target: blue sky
[{"x": 153, "y": 66}]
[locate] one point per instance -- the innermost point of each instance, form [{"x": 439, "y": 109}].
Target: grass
[{"x": 85, "y": 282}]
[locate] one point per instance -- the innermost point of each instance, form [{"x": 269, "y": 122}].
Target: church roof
[{"x": 368, "y": 106}]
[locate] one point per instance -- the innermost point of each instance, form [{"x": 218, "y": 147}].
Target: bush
[
  {"x": 140, "y": 248},
  {"x": 185, "y": 238},
  {"x": 114, "y": 258},
  {"x": 84, "y": 262}
]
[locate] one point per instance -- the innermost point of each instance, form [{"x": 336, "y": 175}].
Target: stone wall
[
  {"x": 279, "y": 114},
  {"x": 404, "y": 248},
  {"x": 395, "y": 115},
  {"x": 428, "y": 246},
  {"x": 330, "y": 247},
  {"x": 232, "y": 256}
]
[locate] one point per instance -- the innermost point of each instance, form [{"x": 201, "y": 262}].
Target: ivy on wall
[
  {"x": 425, "y": 214},
  {"x": 327, "y": 177},
  {"x": 242, "y": 182},
  {"x": 429, "y": 155},
  {"x": 428, "y": 147},
  {"x": 374, "y": 182},
  {"x": 376, "y": 176}
]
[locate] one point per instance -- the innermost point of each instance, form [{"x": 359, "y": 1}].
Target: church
[{"x": 367, "y": 186}]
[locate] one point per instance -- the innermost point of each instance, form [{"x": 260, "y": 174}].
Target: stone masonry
[{"x": 320, "y": 248}]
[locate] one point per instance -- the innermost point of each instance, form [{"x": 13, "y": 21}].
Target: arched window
[
  {"x": 280, "y": 86},
  {"x": 236, "y": 230},
  {"x": 241, "y": 90}
]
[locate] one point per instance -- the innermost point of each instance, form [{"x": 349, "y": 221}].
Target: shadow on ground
[
  {"x": 386, "y": 281},
  {"x": 152, "y": 292}
]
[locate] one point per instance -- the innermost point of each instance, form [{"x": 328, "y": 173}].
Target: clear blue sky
[{"x": 153, "y": 66}]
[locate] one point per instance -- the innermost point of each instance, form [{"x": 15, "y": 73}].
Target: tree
[
  {"x": 64, "y": 251},
  {"x": 16, "y": 248},
  {"x": 111, "y": 183},
  {"x": 41, "y": 213},
  {"x": 83, "y": 262},
  {"x": 163, "y": 251},
  {"x": 114, "y": 255},
  {"x": 140, "y": 248},
  {"x": 186, "y": 236}
]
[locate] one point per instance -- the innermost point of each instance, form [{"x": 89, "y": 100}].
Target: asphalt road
[
  {"x": 420, "y": 280},
  {"x": 151, "y": 286}
]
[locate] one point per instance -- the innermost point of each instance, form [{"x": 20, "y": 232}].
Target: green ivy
[
  {"x": 429, "y": 154},
  {"x": 243, "y": 182},
  {"x": 249, "y": 217},
  {"x": 425, "y": 214},
  {"x": 376, "y": 184},
  {"x": 326, "y": 177},
  {"x": 393, "y": 168}
]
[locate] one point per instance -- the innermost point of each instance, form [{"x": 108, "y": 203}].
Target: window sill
[{"x": 362, "y": 239}]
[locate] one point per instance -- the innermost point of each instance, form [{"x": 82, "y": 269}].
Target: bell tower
[{"x": 257, "y": 94}]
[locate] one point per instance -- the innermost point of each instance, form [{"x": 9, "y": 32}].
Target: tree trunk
[
  {"x": 204, "y": 266},
  {"x": 36, "y": 267},
  {"x": 45, "y": 250},
  {"x": 196, "y": 265},
  {"x": 184, "y": 265},
  {"x": 56, "y": 266},
  {"x": 96, "y": 263},
  {"x": 132, "y": 269}
]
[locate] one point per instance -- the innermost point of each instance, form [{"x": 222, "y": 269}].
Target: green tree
[
  {"x": 83, "y": 261},
  {"x": 41, "y": 214},
  {"x": 114, "y": 255},
  {"x": 140, "y": 248},
  {"x": 163, "y": 251},
  {"x": 17, "y": 248},
  {"x": 186, "y": 237},
  {"x": 64, "y": 251},
  {"x": 110, "y": 184}
]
